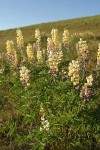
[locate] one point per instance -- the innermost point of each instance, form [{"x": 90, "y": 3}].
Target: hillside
[
  {"x": 50, "y": 90},
  {"x": 83, "y": 24}
]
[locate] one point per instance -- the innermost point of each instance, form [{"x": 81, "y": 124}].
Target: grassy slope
[{"x": 73, "y": 25}]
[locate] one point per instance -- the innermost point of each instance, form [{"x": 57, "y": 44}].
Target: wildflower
[
  {"x": 24, "y": 75},
  {"x": 54, "y": 34},
  {"x": 98, "y": 56},
  {"x": 65, "y": 37},
  {"x": 39, "y": 56},
  {"x": 89, "y": 80},
  {"x": 30, "y": 53},
  {"x": 38, "y": 46},
  {"x": 38, "y": 35},
  {"x": 54, "y": 55},
  {"x": 86, "y": 91},
  {"x": 50, "y": 45},
  {"x": 9, "y": 47},
  {"x": 45, "y": 123},
  {"x": 82, "y": 50},
  {"x": 53, "y": 61},
  {"x": 15, "y": 61},
  {"x": 74, "y": 69},
  {"x": 11, "y": 54},
  {"x": 20, "y": 40}
]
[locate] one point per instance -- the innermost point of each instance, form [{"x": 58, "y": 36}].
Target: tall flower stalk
[
  {"x": 44, "y": 123},
  {"x": 54, "y": 56},
  {"x": 54, "y": 51},
  {"x": 30, "y": 53},
  {"x": 65, "y": 38},
  {"x": 20, "y": 45},
  {"x": 38, "y": 46},
  {"x": 20, "y": 39},
  {"x": 82, "y": 51},
  {"x": 24, "y": 76},
  {"x": 98, "y": 56},
  {"x": 74, "y": 72},
  {"x": 86, "y": 90},
  {"x": 11, "y": 54}
]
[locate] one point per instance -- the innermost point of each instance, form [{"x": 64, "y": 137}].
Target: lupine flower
[
  {"x": 15, "y": 61},
  {"x": 89, "y": 80},
  {"x": 11, "y": 54},
  {"x": 54, "y": 34},
  {"x": 55, "y": 39},
  {"x": 38, "y": 46},
  {"x": 38, "y": 35},
  {"x": 24, "y": 75},
  {"x": 74, "y": 69},
  {"x": 82, "y": 50},
  {"x": 65, "y": 37},
  {"x": 54, "y": 55},
  {"x": 50, "y": 45},
  {"x": 45, "y": 123},
  {"x": 60, "y": 55},
  {"x": 20, "y": 40},
  {"x": 9, "y": 47},
  {"x": 53, "y": 61},
  {"x": 98, "y": 56},
  {"x": 30, "y": 53},
  {"x": 86, "y": 91},
  {"x": 39, "y": 56}
]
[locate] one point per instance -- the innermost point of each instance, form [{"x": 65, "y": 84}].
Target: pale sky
[{"x": 19, "y": 13}]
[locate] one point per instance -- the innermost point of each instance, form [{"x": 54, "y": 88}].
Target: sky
[{"x": 19, "y": 13}]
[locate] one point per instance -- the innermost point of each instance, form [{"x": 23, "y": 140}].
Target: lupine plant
[{"x": 45, "y": 104}]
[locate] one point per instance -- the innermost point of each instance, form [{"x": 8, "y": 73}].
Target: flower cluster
[
  {"x": 53, "y": 61},
  {"x": 45, "y": 123},
  {"x": 82, "y": 50},
  {"x": 74, "y": 70},
  {"x": 55, "y": 39},
  {"x": 86, "y": 89},
  {"x": 89, "y": 80},
  {"x": 24, "y": 75},
  {"x": 38, "y": 46},
  {"x": 10, "y": 47},
  {"x": 54, "y": 52},
  {"x": 98, "y": 56},
  {"x": 20, "y": 40},
  {"x": 11, "y": 54},
  {"x": 50, "y": 45},
  {"x": 15, "y": 61},
  {"x": 38, "y": 35},
  {"x": 65, "y": 37},
  {"x": 30, "y": 53},
  {"x": 54, "y": 58},
  {"x": 39, "y": 56}
]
